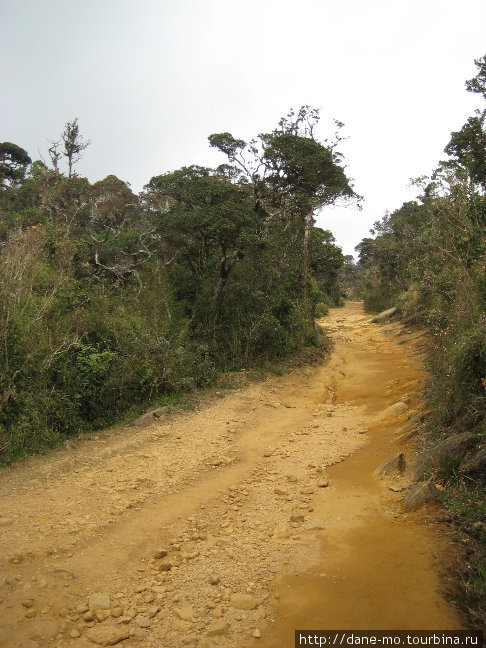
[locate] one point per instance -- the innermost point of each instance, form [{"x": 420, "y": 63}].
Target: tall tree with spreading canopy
[
  {"x": 292, "y": 173},
  {"x": 468, "y": 145},
  {"x": 14, "y": 161}
]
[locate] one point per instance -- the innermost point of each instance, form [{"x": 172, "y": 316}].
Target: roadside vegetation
[
  {"x": 428, "y": 258},
  {"x": 112, "y": 301}
]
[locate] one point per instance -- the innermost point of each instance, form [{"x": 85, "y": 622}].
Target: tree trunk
[
  {"x": 225, "y": 267},
  {"x": 308, "y": 222}
]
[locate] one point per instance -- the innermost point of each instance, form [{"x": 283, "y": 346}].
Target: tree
[
  {"x": 478, "y": 83},
  {"x": 293, "y": 175},
  {"x": 72, "y": 147},
  {"x": 468, "y": 145},
  {"x": 14, "y": 161},
  {"x": 207, "y": 215}
]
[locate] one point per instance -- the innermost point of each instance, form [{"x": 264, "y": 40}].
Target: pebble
[
  {"x": 217, "y": 628},
  {"x": 256, "y": 633},
  {"x": 99, "y": 601},
  {"x": 30, "y": 614},
  {"x": 74, "y": 634},
  {"x": 218, "y": 612},
  {"x": 107, "y": 636},
  {"x": 296, "y": 518},
  {"x": 143, "y": 622},
  {"x": 184, "y": 613},
  {"x": 280, "y": 491},
  {"x": 160, "y": 553},
  {"x": 214, "y": 579},
  {"x": 242, "y": 601},
  {"x": 102, "y": 615},
  {"x": 308, "y": 490}
]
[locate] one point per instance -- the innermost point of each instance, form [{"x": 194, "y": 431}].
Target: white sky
[{"x": 149, "y": 80}]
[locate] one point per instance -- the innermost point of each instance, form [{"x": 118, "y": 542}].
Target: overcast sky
[{"x": 149, "y": 80}]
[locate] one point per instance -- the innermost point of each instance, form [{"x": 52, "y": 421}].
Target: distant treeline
[
  {"x": 429, "y": 259},
  {"x": 110, "y": 300}
]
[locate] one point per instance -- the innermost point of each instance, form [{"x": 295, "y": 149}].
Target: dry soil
[{"x": 233, "y": 525}]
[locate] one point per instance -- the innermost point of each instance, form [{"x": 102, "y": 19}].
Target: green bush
[{"x": 322, "y": 309}]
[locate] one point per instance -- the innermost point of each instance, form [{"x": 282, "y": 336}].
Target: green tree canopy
[{"x": 14, "y": 161}]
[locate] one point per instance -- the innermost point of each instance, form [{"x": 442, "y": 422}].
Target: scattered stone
[
  {"x": 102, "y": 615},
  {"x": 99, "y": 601},
  {"x": 74, "y": 634},
  {"x": 267, "y": 453},
  {"x": 410, "y": 429},
  {"x": 280, "y": 491},
  {"x": 107, "y": 635},
  {"x": 82, "y": 608},
  {"x": 143, "y": 622},
  {"x": 139, "y": 635},
  {"x": 242, "y": 601},
  {"x": 217, "y": 612},
  {"x": 116, "y": 612},
  {"x": 421, "y": 493},
  {"x": 395, "y": 464},
  {"x": 384, "y": 315},
  {"x": 28, "y": 603},
  {"x": 165, "y": 565},
  {"x": 88, "y": 617},
  {"x": 46, "y": 609},
  {"x": 145, "y": 419},
  {"x": 296, "y": 518},
  {"x": 256, "y": 633},
  {"x": 153, "y": 611},
  {"x": 397, "y": 489},
  {"x": 477, "y": 464},
  {"x": 30, "y": 614},
  {"x": 184, "y": 613},
  {"x": 308, "y": 490},
  {"x": 392, "y": 411},
  {"x": 446, "y": 452},
  {"x": 160, "y": 553},
  {"x": 214, "y": 579},
  {"x": 217, "y": 628},
  {"x": 194, "y": 554},
  {"x": 181, "y": 626},
  {"x": 323, "y": 483}
]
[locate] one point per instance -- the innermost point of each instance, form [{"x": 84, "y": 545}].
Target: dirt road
[{"x": 235, "y": 524}]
